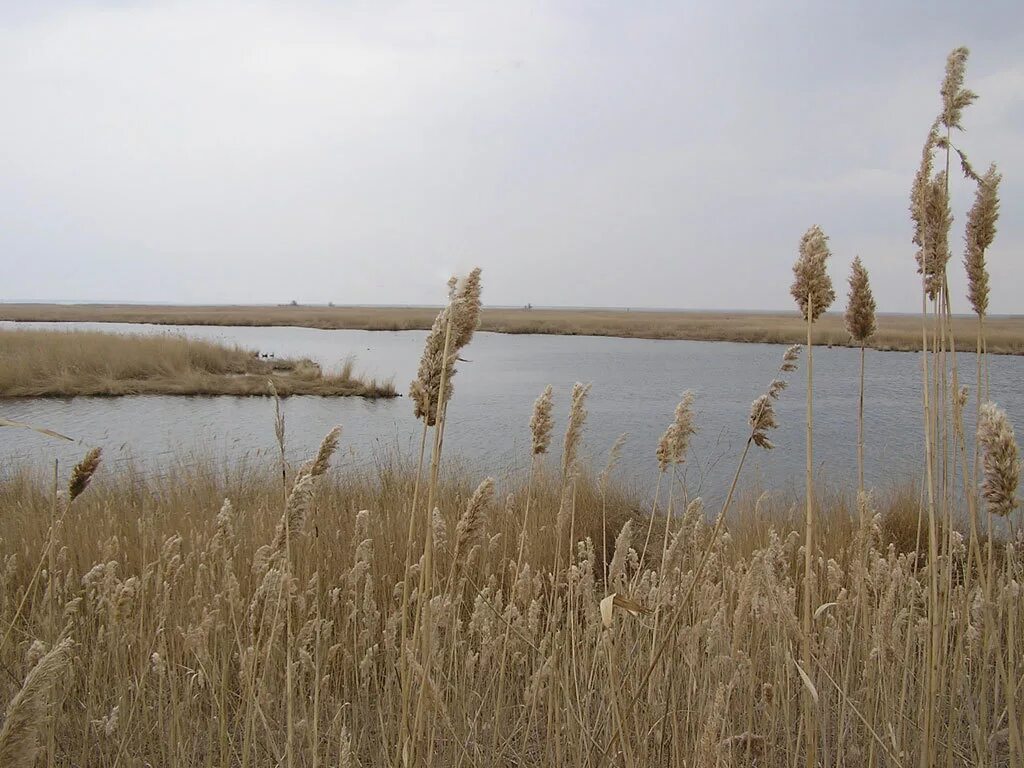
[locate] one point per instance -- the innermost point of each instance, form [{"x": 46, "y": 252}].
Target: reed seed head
[
  {"x": 860, "y": 309},
  {"x": 665, "y": 455},
  {"x": 541, "y": 421},
  {"x": 789, "y": 359},
  {"x": 454, "y": 327},
  {"x": 466, "y": 307},
  {"x": 676, "y": 440},
  {"x": 954, "y": 96},
  {"x": 775, "y": 388},
  {"x": 425, "y": 390},
  {"x": 937, "y": 219},
  {"x": 82, "y": 474},
  {"x": 981, "y": 231},
  {"x": 812, "y": 287},
  {"x": 296, "y": 510},
  {"x": 323, "y": 456},
  {"x": 472, "y": 521},
  {"x": 574, "y": 429},
  {"x": 919, "y": 190},
  {"x": 613, "y": 459},
  {"x": 762, "y": 418},
  {"x": 19, "y": 736},
  {"x": 1001, "y": 460},
  {"x": 617, "y": 566}
]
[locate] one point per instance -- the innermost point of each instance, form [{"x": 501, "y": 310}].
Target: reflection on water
[{"x": 636, "y": 385}]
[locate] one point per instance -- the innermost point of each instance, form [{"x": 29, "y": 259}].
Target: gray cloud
[{"x": 642, "y": 154}]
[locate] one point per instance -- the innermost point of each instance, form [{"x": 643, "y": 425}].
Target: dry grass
[
  {"x": 161, "y": 587},
  {"x": 1005, "y": 335},
  {"x": 67, "y": 363}
]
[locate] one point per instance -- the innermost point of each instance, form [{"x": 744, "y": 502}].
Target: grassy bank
[
  {"x": 1005, "y": 335},
  {"x": 67, "y": 363}
]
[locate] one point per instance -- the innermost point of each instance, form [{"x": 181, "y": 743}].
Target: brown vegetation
[
  {"x": 174, "y": 608},
  {"x": 37, "y": 363},
  {"x": 1005, "y": 335}
]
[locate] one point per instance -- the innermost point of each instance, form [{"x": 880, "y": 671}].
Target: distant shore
[{"x": 1004, "y": 335}]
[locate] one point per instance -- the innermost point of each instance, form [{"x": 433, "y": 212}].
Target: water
[{"x": 636, "y": 385}]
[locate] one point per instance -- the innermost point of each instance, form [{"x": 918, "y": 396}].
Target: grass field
[
  {"x": 1005, "y": 335},
  {"x": 35, "y": 363}
]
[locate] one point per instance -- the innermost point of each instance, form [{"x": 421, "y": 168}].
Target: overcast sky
[{"x": 616, "y": 154}]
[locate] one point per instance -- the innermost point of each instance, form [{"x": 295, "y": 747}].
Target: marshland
[
  {"x": 1004, "y": 334},
  {"x": 363, "y": 582}
]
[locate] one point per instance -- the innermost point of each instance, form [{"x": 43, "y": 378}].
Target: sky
[{"x": 641, "y": 154}]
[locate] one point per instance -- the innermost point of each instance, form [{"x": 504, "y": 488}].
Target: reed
[
  {"x": 19, "y": 735},
  {"x": 190, "y": 565},
  {"x": 812, "y": 290},
  {"x": 860, "y": 324}
]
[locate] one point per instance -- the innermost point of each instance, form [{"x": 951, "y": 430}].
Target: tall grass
[
  {"x": 164, "y": 590},
  {"x": 413, "y": 615}
]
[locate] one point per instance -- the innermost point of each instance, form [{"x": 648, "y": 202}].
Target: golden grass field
[
  {"x": 36, "y": 363},
  {"x": 1005, "y": 335}
]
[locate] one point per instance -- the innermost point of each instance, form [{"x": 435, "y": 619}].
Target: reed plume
[
  {"x": 954, "y": 96},
  {"x": 19, "y": 736},
  {"x": 789, "y": 358},
  {"x": 452, "y": 330},
  {"x": 473, "y": 519},
  {"x": 1001, "y": 462},
  {"x": 574, "y": 429},
  {"x": 323, "y": 456},
  {"x": 296, "y": 510},
  {"x": 541, "y": 421},
  {"x": 762, "y": 418},
  {"x": 860, "y": 323},
  {"x": 921, "y": 213},
  {"x": 614, "y": 454},
  {"x": 938, "y": 218},
  {"x": 466, "y": 318},
  {"x": 812, "y": 287},
  {"x": 298, "y": 503},
  {"x": 676, "y": 439},
  {"x": 82, "y": 474},
  {"x": 425, "y": 389},
  {"x": 860, "y": 309},
  {"x": 981, "y": 231}
]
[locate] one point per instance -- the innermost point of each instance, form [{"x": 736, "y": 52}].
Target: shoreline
[{"x": 896, "y": 332}]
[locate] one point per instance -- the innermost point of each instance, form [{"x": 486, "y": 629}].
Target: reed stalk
[{"x": 812, "y": 290}]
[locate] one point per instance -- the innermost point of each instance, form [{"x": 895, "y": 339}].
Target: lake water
[{"x": 636, "y": 385}]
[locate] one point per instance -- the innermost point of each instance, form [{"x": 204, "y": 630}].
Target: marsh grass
[{"x": 42, "y": 363}]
